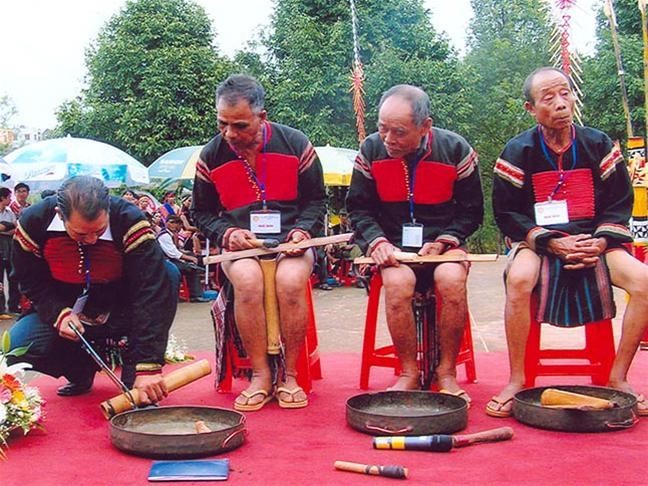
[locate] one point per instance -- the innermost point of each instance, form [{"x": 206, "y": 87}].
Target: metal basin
[
  {"x": 528, "y": 410},
  {"x": 170, "y": 432},
  {"x": 406, "y": 413}
]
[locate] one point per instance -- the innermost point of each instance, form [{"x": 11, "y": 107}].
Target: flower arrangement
[
  {"x": 176, "y": 351},
  {"x": 20, "y": 405}
]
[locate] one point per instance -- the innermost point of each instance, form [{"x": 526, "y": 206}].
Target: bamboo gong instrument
[
  {"x": 409, "y": 257},
  {"x": 174, "y": 380}
]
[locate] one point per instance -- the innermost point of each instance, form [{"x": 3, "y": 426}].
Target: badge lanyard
[
  {"x": 558, "y": 164},
  {"x": 261, "y": 184},
  {"x": 410, "y": 177},
  {"x": 79, "y": 304}
]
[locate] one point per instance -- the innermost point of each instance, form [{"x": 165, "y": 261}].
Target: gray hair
[
  {"x": 417, "y": 98},
  {"x": 86, "y": 195},
  {"x": 239, "y": 87},
  {"x": 528, "y": 82}
]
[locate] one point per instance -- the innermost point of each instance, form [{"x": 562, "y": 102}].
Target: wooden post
[{"x": 608, "y": 9}]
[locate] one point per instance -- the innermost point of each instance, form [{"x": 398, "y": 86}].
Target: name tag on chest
[
  {"x": 551, "y": 212},
  {"x": 413, "y": 235},
  {"x": 265, "y": 222}
]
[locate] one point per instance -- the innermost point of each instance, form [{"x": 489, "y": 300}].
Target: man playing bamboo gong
[
  {"x": 259, "y": 179},
  {"x": 562, "y": 194},
  {"x": 416, "y": 187}
]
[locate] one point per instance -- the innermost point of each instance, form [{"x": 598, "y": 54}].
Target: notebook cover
[{"x": 204, "y": 470}]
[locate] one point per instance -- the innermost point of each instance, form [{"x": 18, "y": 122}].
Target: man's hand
[
  {"x": 240, "y": 240},
  {"x": 151, "y": 388},
  {"x": 383, "y": 255},
  {"x": 296, "y": 237},
  {"x": 577, "y": 251},
  {"x": 433, "y": 248},
  {"x": 65, "y": 329}
]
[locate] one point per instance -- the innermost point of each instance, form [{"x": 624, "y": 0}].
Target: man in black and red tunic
[
  {"x": 90, "y": 260},
  {"x": 258, "y": 179},
  {"x": 562, "y": 195},
  {"x": 416, "y": 187}
]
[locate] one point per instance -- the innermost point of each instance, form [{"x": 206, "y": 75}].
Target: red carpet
[{"x": 300, "y": 446}]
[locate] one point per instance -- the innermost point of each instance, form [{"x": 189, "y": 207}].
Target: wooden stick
[
  {"x": 253, "y": 252},
  {"x": 174, "y": 380},
  {"x": 271, "y": 306},
  {"x": 407, "y": 257},
  {"x": 398, "y": 472}
]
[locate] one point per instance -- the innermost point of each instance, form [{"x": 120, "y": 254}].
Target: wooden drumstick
[
  {"x": 441, "y": 442},
  {"x": 397, "y": 472},
  {"x": 174, "y": 380}
]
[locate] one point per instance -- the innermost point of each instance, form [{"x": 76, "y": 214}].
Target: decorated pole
[
  {"x": 357, "y": 77},
  {"x": 644, "y": 29},
  {"x": 608, "y": 9}
]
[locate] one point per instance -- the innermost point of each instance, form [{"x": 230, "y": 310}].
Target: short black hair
[
  {"x": 173, "y": 219},
  {"x": 47, "y": 193},
  {"x": 239, "y": 87},
  {"x": 86, "y": 195},
  {"x": 21, "y": 185},
  {"x": 4, "y": 192},
  {"x": 415, "y": 96}
]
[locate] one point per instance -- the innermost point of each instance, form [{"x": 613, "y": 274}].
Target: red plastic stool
[
  {"x": 308, "y": 363},
  {"x": 183, "y": 295},
  {"x": 598, "y": 350},
  {"x": 343, "y": 274},
  {"x": 385, "y": 356}
]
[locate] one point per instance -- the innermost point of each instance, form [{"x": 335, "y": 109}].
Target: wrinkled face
[
  {"x": 239, "y": 125},
  {"x": 22, "y": 194},
  {"x": 553, "y": 105},
  {"x": 84, "y": 231},
  {"x": 397, "y": 129}
]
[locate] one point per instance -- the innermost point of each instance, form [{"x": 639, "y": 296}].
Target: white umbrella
[
  {"x": 337, "y": 164},
  {"x": 44, "y": 165}
]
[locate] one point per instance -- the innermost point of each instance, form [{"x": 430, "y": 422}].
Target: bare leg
[
  {"x": 291, "y": 279},
  {"x": 520, "y": 282},
  {"x": 399, "y": 283},
  {"x": 247, "y": 279},
  {"x": 450, "y": 283},
  {"x": 632, "y": 276}
]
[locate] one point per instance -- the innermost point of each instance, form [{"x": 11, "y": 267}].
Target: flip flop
[
  {"x": 498, "y": 410},
  {"x": 459, "y": 393},
  {"x": 292, "y": 392},
  {"x": 252, "y": 407},
  {"x": 643, "y": 410}
]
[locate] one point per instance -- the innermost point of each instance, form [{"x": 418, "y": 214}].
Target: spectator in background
[
  {"x": 144, "y": 203},
  {"x": 21, "y": 193},
  {"x": 7, "y": 228},
  {"x": 156, "y": 221},
  {"x": 186, "y": 262},
  {"x": 169, "y": 206},
  {"x": 190, "y": 234},
  {"x": 130, "y": 196}
]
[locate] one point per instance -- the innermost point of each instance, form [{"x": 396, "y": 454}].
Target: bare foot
[
  {"x": 406, "y": 382},
  {"x": 448, "y": 384},
  {"x": 624, "y": 386},
  {"x": 260, "y": 382},
  {"x": 296, "y": 395}
]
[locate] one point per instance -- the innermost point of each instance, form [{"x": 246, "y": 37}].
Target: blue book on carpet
[{"x": 204, "y": 470}]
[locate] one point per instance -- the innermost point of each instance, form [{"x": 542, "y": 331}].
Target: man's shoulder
[
  {"x": 210, "y": 148},
  {"x": 373, "y": 148},
  {"x": 124, "y": 214},
  {"x": 589, "y": 134},
  {"x": 39, "y": 214},
  {"x": 289, "y": 134}
]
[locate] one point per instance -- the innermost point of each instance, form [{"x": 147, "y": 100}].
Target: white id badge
[
  {"x": 413, "y": 235},
  {"x": 265, "y": 222},
  {"x": 551, "y": 212},
  {"x": 80, "y": 303}
]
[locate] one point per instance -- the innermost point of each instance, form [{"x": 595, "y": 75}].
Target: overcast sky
[{"x": 44, "y": 42}]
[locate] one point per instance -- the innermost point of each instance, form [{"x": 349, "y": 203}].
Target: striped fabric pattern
[
  {"x": 202, "y": 172},
  {"x": 362, "y": 166},
  {"x": 25, "y": 242},
  {"x": 509, "y": 172},
  {"x": 617, "y": 231},
  {"x": 136, "y": 235},
  {"x": 307, "y": 158},
  {"x": 468, "y": 165},
  {"x": 610, "y": 161}
]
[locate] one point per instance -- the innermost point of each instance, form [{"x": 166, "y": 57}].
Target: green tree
[
  {"x": 310, "y": 51},
  {"x": 508, "y": 40},
  {"x": 152, "y": 73},
  {"x": 603, "y": 107},
  {"x": 7, "y": 111}
]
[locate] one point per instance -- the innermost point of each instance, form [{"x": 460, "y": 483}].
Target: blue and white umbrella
[
  {"x": 177, "y": 164},
  {"x": 44, "y": 165}
]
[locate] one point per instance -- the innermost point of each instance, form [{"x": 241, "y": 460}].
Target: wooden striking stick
[
  {"x": 174, "y": 380},
  {"x": 252, "y": 252},
  {"x": 398, "y": 472},
  {"x": 554, "y": 398},
  {"x": 441, "y": 442},
  {"x": 408, "y": 257},
  {"x": 271, "y": 306}
]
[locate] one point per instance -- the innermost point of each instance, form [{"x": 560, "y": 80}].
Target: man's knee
[
  {"x": 450, "y": 282},
  {"x": 398, "y": 285},
  {"x": 522, "y": 276}
]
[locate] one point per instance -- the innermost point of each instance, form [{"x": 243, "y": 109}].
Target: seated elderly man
[
  {"x": 258, "y": 179},
  {"x": 185, "y": 262},
  {"x": 563, "y": 195},
  {"x": 416, "y": 187}
]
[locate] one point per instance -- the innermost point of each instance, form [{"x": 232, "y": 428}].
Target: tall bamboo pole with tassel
[
  {"x": 644, "y": 28},
  {"x": 608, "y": 9}
]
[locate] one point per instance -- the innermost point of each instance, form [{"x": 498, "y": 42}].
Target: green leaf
[
  {"x": 6, "y": 342},
  {"x": 18, "y": 351}
]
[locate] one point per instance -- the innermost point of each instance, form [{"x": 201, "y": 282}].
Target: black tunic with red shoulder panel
[
  {"x": 227, "y": 189},
  {"x": 126, "y": 268},
  {"x": 447, "y": 193},
  {"x": 596, "y": 187}
]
